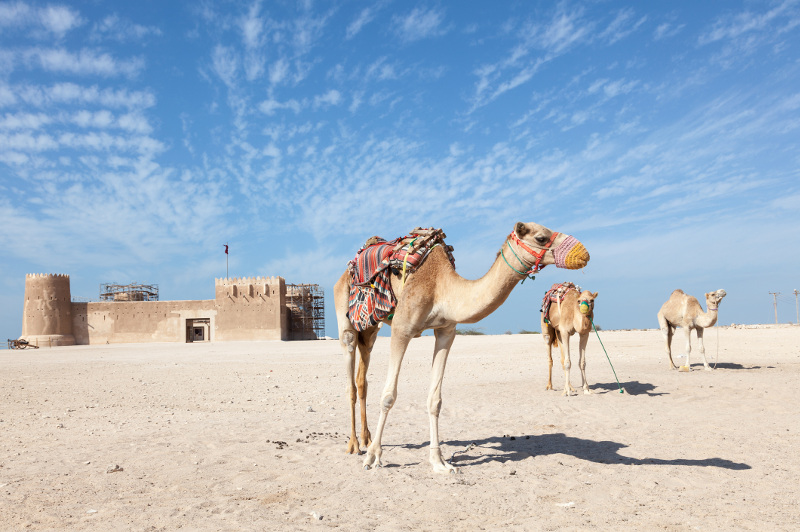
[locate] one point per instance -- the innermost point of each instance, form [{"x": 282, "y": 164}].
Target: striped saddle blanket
[
  {"x": 371, "y": 297},
  {"x": 556, "y": 294}
]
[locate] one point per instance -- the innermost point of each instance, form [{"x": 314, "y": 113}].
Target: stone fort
[{"x": 248, "y": 308}]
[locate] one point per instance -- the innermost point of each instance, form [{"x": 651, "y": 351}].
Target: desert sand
[{"x": 252, "y": 436}]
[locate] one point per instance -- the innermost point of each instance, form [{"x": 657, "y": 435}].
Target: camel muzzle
[{"x": 571, "y": 254}]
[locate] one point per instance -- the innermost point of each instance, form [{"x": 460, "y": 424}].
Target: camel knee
[
  {"x": 387, "y": 401},
  {"x": 349, "y": 341},
  {"x": 434, "y": 407}
]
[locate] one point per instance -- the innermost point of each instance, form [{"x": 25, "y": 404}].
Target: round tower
[{"x": 47, "y": 314}]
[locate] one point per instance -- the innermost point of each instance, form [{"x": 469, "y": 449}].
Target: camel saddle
[
  {"x": 371, "y": 297},
  {"x": 556, "y": 294}
]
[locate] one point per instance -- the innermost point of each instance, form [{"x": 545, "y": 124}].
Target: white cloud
[
  {"x": 225, "y": 64},
  {"x": 278, "y": 71},
  {"x": 332, "y": 97},
  {"x": 49, "y": 21},
  {"x": 84, "y": 62},
  {"x": 364, "y": 17},
  {"x": 420, "y": 24},
  {"x": 59, "y": 19},
  {"x": 666, "y": 30},
  {"x": 114, "y": 28}
]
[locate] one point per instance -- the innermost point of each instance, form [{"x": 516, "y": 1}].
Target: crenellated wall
[
  {"x": 247, "y": 308},
  {"x": 251, "y": 308}
]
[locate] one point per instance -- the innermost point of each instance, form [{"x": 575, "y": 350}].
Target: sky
[{"x": 138, "y": 138}]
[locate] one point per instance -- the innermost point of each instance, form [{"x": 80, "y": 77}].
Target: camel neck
[{"x": 473, "y": 300}]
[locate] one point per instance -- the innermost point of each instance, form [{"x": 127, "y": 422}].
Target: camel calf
[
  {"x": 683, "y": 310},
  {"x": 563, "y": 320}
]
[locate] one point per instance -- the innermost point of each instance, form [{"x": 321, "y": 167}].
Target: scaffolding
[
  {"x": 128, "y": 292},
  {"x": 306, "y": 303}
]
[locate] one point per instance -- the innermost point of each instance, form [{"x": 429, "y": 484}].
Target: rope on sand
[
  {"x": 466, "y": 450},
  {"x": 607, "y": 357}
]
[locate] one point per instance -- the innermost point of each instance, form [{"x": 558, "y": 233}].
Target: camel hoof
[
  {"x": 684, "y": 369},
  {"x": 366, "y": 467},
  {"x": 587, "y": 392}
]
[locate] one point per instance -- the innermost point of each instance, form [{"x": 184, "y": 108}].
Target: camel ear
[
  {"x": 521, "y": 229},
  {"x": 594, "y": 296}
]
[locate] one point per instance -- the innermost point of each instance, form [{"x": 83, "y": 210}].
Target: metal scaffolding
[
  {"x": 128, "y": 292},
  {"x": 306, "y": 303}
]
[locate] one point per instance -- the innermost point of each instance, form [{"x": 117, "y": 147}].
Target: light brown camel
[
  {"x": 565, "y": 319},
  {"x": 683, "y": 310},
  {"x": 436, "y": 297}
]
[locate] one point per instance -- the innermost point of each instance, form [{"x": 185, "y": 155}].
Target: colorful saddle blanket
[
  {"x": 371, "y": 297},
  {"x": 556, "y": 294}
]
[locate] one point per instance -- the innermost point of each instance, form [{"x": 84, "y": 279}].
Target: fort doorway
[{"x": 198, "y": 330}]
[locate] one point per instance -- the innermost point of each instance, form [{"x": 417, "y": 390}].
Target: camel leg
[
  {"x": 444, "y": 340},
  {"x": 666, "y": 332},
  {"x": 688, "y": 332},
  {"x": 365, "y": 342},
  {"x": 584, "y": 339},
  {"x": 702, "y": 347},
  {"x": 399, "y": 344},
  {"x": 348, "y": 342},
  {"x": 563, "y": 343},
  {"x": 549, "y": 343}
]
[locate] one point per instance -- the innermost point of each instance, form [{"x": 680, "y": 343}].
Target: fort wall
[
  {"x": 247, "y": 308},
  {"x": 113, "y": 322}
]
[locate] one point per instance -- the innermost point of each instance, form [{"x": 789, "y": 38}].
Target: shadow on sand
[
  {"x": 514, "y": 449},
  {"x": 630, "y": 387}
]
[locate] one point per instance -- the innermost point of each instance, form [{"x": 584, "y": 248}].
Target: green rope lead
[{"x": 606, "y": 352}]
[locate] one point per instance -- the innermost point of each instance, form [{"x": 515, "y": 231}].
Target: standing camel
[
  {"x": 572, "y": 315},
  {"x": 683, "y": 310},
  {"x": 436, "y": 297}
]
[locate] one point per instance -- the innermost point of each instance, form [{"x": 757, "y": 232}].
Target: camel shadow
[
  {"x": 514, "y": 449},
  {"x": 630, "y": 387},
  {"x": 730, "y": 365}
]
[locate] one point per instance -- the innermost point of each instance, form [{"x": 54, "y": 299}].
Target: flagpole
[{"x": 226, "y": 260}]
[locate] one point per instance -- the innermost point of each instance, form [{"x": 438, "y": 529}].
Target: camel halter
[{"x": 535, "y": 268}]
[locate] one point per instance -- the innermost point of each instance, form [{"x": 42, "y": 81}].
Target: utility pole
[
  {"x": 775, "y": 304},
  {"x": 796, "y": 308}
]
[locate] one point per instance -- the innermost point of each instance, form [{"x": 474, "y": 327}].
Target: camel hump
[{"x": 678, "y": 291}]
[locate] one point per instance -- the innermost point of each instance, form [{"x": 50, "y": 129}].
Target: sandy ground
[{"x": 251, "y": 436}]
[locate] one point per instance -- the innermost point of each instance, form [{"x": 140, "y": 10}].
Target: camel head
[
  {"x": 713, "y": 299},
  {"x": 586, "y": 302},
  {"x": 542, "y": 246}
]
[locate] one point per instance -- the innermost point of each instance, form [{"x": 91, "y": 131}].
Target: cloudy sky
[{"x": 137, "y": 138}]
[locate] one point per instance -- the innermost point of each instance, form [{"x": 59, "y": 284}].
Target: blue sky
[{"x": 137, "y": 138}]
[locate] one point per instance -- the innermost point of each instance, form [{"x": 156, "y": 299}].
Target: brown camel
[
  {"x": 436, "y": 297},
  {"x": 683, "y": 310},
  {"x": 572, "y": 315}
]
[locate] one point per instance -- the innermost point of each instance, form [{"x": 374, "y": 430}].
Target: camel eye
[{"x": 542, "y": 239}]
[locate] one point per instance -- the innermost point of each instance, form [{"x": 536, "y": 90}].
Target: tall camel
[
  {"x": 683, "y": 310},
  {"x": 436, "y": 297},
  {"x": 572, "y": 315}
]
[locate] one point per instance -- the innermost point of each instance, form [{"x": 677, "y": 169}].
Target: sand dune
[{"x": 251, "y": 436}]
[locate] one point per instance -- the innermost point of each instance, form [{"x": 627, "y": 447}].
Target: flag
[{"x": 226, "y": 249}]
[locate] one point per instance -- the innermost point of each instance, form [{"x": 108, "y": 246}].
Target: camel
[
  {"x": 683, "y": 310},
  {"x": 565, "y": 319},
  {"x": 436, "y": 297}
]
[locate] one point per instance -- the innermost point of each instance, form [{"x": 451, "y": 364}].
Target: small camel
[
  {"x": 572, "y": 315},
  {"x": 683, "y": 310},
  {"x": 436, "y": 297}
]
